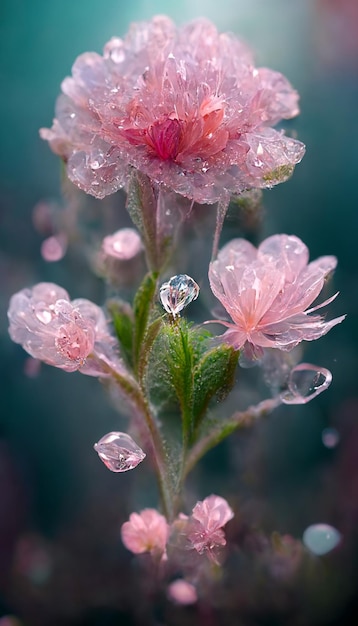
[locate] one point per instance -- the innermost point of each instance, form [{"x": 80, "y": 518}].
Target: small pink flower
[
  {"x": 205, "y": 525},
  {"x": 185, "y": 106},
  {"x": 68, "y": 335},
  {"x": 124, "y": 245},
  {"x": 182, "y": 592},
  {"x": 267, "y": 293},
  {"x": 146, "y": 531}
]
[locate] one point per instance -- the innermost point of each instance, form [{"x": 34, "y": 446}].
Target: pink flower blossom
[
  {"x": 69, "y": 335},
  {"x": 205, "y": 525},
  {"x": 185, "y": 106},
  {"x": 124, "y": 245},
  {"x": 267, "y": 293},
  {"x": 182, "y": 592},
  {"x": 146, "y": 531}
]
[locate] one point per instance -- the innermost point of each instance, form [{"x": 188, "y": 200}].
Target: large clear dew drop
[
  {"x": 119, "y": 452},
  {"x": 321, "y": 538},
  {"x": 305, "y": 382}
]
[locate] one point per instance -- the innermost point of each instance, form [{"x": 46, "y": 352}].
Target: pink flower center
[
  {"x": 165, "y": 138},
  {"x": 197, "y": 131},
  {"x": 74, "y": 342}
]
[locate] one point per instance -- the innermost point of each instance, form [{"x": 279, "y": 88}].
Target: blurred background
[{"x": 61, "y": 559}]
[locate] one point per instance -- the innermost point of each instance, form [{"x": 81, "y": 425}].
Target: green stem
[
  {"x": 239, "y": 419},
  {"x": 132, "y": 391}
]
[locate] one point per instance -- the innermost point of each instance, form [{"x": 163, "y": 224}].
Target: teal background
[{"x": 53, "y": 491}]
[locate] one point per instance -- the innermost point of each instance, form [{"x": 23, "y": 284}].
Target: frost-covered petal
[
  {"x": 185, "y": 106},
  {"x": 287, "y": 251},
  {"x": 69, "y": 335},
  {"x": 268, "y": 294}
]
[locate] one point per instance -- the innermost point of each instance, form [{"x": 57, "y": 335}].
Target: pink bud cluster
[{"x": 149, "y": 531}]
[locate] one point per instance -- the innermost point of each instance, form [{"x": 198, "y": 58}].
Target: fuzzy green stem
[
  {"x": 239, "y": 419},
  {"x": 132, "y": 391}
]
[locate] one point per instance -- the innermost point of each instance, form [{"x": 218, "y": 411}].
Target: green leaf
[
  {"x": 214, "y": 376},
  {"x": 170, "y": 375},
  {"x": 122, "y": 317},
  {"x": 143, "y": 306},
  {"x": 146, "y": 347}
]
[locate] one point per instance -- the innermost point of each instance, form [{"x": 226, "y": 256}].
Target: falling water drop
[
  {"x": 321, "y": 538},
  {"x": 305, "y": 382},
  {"x": 119, "y": 452}
]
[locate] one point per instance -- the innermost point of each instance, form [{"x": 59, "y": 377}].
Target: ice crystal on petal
[
  {"x": 268, "y": 291},
  {"x": 177, "y": 293},
  {"x": 185, "y": 106},
  {"x": 146, "y": 531},
  {"x": 65, "y": 334},
  {"x": 119, "y": 452}
]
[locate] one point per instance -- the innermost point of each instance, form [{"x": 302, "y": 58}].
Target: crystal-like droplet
[
  {"x": 119, "y": 452},
  {"x": 305, "y": 382},
  {"x": 177, "y": 293},
  {"x": 321, "y": 538}
]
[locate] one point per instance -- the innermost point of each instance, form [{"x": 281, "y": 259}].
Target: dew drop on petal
[
  {"x": 321, "y": 538},
  {"x": 177, "y": 293},
  {"x": 305, "y": 382},
  {"x": 43, "y": 313},
  {"x": 330, "y": 437},
  {"x": 119, "y": 452}
]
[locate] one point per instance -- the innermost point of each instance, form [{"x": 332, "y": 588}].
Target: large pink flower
[
  {"x": 267, "y": 292},
  {"x": 185, "y": 106},
  {"x": 69, "y": 335}
]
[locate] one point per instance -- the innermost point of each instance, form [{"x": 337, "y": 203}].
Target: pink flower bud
[
  {"x": 146, "y": 531},
  {"x": 69, "y": 335},
  {"x": 182, "y": 592}
]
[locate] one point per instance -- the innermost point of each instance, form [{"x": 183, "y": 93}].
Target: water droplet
[
  {"x": 43, "y": 313},
  {"x": 119, "y": 452},
  {"x": 305, "y": 382},
  {"x": 330, "y": 437},
  {"x": 98, "y": 161},
  {"x": 177, "y": 293},
  {"x": 321, "y": 538}
]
